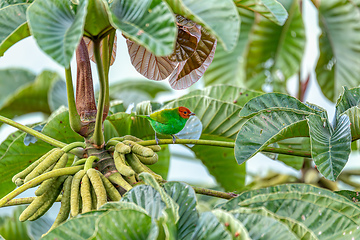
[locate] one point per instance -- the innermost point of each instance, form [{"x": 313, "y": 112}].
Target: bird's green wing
[{"x": 163, "y": 116}]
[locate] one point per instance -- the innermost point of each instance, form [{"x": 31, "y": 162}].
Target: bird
[{"x": 168, "y": 121}]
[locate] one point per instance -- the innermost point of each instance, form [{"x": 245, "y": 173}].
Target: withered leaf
[
  {"x": 191, "y": 70},
  {"x": 189, "y": 34},
  {"x": 147, "y": 64}
]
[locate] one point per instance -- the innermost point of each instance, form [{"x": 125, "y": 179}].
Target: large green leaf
[
  {"x": 149, "y": 23},
  {"x": 146, "y": 197},
  {"x": 12, "y": 228},
  {"x": 227, "y": 93},
  {"x": 330, "y": 146},
  {"x": 325, "y": 213},
  {"x": 136, "y": 90},
  {"x": 209, "y": 227},
  {"x": 17, "y": 156},
  {"x": 275, "y": 52},
  {"x": 18, "y": 78},
  {"x": 219, "y": 17},
  {"x": 271, "y": 9},
  {"x": 273, "y": 101},
  {"x": 97, "y": 21},
  {"x": 31, "y": 97},
  {"x": 79, "y": 228},
  {"x": 56, "y": 28},
  {"x": 339, "y": 51},
  {"x": 185, "y": 197},
  {"x": 277, "y": 227},
  {"x": 348, "y": 99},
  {"x": 234, "y": 226},
  {"x": 13, "y": 25},
  {"x": 126, "y": 224},
  {"x": 229, "y": 67},
  {"x": 220, "y": 122},
  {"x": 57, "y": 95},
  {"x": 268, "y": 127}
]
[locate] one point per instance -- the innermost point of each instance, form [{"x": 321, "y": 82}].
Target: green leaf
[
  {"x": 136, "y": 90},
  {"x": 220, "y": 122},
  {"x": 271, "y": 9},
  {"x": 277, "y": 227},
  {"x": 97, "y": 21},
  {"x": 209, "y": 227},
  {"x": 146, "y": 197},
  {"x": 348, "y": 99},
  {"x": 227, "y": 93},
  {"x": 184, "y": 196},
  {"x": 302, "y": 144},
  {"x": 325, "y": 213},
  {"x": 275, "y": 52},
  {"x": 13, "y": 26},
  {"x": 12, "y": 228},
  {"x": 32, "y": 97},
  {"x": 330, "y": 147},
  {"x": 149, "y": 23},
  {"x": 351, "y": 195},
  {"x": 57, "y": 95},
  {"x": 122, "y": 205},
  {"x": 268, "y": 127},
  {"x": 18, "y": 79},
  {"x": 229, "y": 67},
  {"x": 17, "y": 156},
  {"x": 235, "y": 227},
  {"x": 126, "y": 224},
  {"x": 56, "y": 28},
  {"x": 169, "y": 202},
  {"x": 79, "y": 228},
  {"x": 39, "y": 227},
  {"x": 219, "y": 17},
  {"x": 273, "y": 101},
  {"x": 354, "y": 117},
  {"x": 339, "y": 53}
]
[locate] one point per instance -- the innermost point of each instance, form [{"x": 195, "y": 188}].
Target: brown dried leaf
[
  {"x": 90, "y": 46},
  {"x": 147, "y": 64},
  {"x": 190, "y": 71},
  {"x": 189, "y": 34}
]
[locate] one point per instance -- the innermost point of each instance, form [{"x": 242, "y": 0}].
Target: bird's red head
[{"x": 185, "y": 112}]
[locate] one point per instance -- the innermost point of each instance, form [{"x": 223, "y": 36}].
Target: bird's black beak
[{"x": 191, "y": 114}]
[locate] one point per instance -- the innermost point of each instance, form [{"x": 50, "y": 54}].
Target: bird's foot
[
  {"x": 156, "y": 140},
  {"x": 174, "y": 139}
]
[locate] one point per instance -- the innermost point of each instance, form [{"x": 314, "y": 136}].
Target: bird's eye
[{"x": 185, "y": 112}]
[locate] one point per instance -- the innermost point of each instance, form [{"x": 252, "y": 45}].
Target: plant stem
[
  {"x": 73, "y": 145},
  {"x": 27, "y": 200},
  {"x": 75, "y": 121},
  {"x": 98, "y": 137},
  {"x": 214, "y": 193},
  {"x": 33, "y": 132},
  {"x": 225, "y": 144},
  {"x": 39, "y": 179}
]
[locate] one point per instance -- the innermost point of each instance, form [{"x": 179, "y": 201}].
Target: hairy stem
[
  {"x": 75, "y": 121},
  {"x": 224, "y": 144},
  {"x": 214, "y": 193},
  {"x": 98, "y": 137},
  {"x": 33, "y": 132},
  {"x": 89, "y": 162},
  {"x": 39, "y": 179}
]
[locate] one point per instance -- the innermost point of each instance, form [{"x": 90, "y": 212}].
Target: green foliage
[{"x": 12, "y": 228}]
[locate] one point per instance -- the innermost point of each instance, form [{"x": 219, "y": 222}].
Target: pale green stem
[
  {"x": 98, "y": 137},
  {"x": 39, "y": 179},
  {"x": 224, "y": 144},
  {"x": 80, "y": 162},
  {"x": 75, "y": 121},
  {"x": 33, "y": 132},
  {"x": 214, "y": 193}
]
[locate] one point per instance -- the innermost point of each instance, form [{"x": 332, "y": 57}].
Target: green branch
[
  {"x": 39, "y": 179},
  {"x": 98, "y": 137},
  {"x": 33, "y": 132},
  {"x": 75, "y": 121},
  {"x": 224, "y": 144},
  {"x": 26, "y": 200},
  {"x": 214, "y": 193}
]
